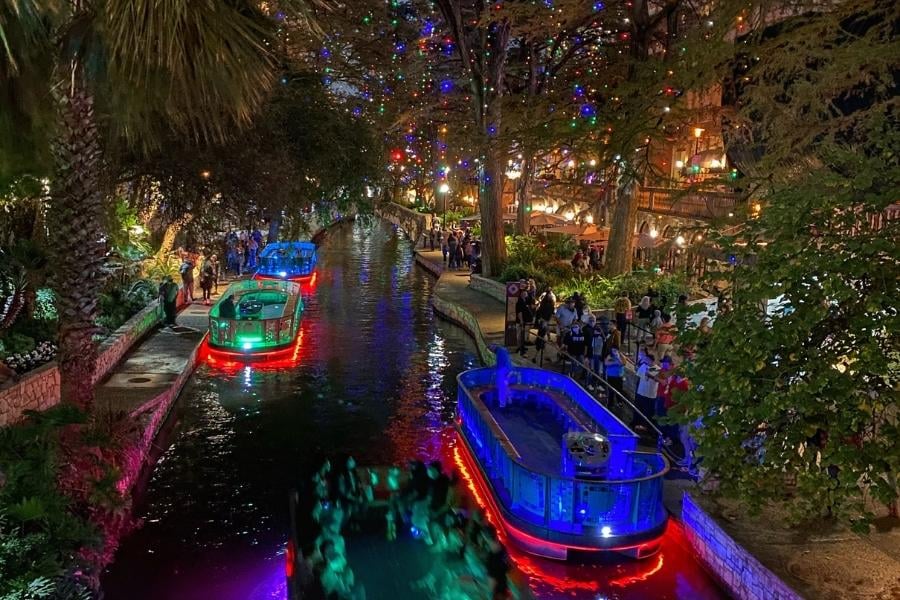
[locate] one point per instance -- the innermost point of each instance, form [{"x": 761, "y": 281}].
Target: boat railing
[
  {"x": 549, "y": 504},
  {"x": 257, "y": 333}
]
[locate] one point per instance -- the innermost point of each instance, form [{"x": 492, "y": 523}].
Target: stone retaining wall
[
  {"x": 39, "y": 389},
  {"x": 492, "y": 288},
  {"x": 413, "y": 223},
  {"x": 463, "y": 318},
  {"x": 742, "y": 575},
  {"x": 432, "y": 268}
]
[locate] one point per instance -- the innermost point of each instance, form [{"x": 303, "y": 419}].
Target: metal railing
[
  {"x": 612, "y": 399},
  {"x": 560, "y": 508}
]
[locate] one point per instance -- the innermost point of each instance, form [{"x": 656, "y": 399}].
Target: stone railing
[
  {"x": 414, "y": 224},
  {"x": 492, "y": 288},
  {"x": 39, "y": 389},
  {"x": 433, "y": 268},
  {"x": 457, "y": 314},
  {"x": 739, "y": 572}
]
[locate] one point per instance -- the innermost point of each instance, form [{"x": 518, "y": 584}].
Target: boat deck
[{"x": 535, "y": 423}]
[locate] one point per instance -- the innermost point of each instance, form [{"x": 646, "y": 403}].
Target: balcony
[{"x": 689, "y": 204}]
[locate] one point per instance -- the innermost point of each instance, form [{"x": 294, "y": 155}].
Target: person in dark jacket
[{"x": 168, "y": 297}]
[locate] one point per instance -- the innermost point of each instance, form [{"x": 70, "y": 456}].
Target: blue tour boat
[
  {"x": 560, "y": 471},
  {"x": 287, "y": 260}
]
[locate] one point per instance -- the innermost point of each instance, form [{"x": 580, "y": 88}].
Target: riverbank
[{"x": 753, "y": 558}]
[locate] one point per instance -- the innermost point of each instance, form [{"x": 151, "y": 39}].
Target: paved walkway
[
  {"x": 822, "y": 563},
  {"x": 154, "y": 365}
]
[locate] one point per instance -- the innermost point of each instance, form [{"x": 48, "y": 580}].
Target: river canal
[{"x": 373, "y": 375}]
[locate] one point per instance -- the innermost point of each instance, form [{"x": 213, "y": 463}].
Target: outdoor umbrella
[
  {"x": 541, "y": 219},
  {"x": 600, "y": 235},
  {"x": 573, "y": 229}
]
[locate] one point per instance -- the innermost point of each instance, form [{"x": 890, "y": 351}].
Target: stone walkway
[
  {"x": 156, "y": 363},
  {"x": 826, "y": 563}
]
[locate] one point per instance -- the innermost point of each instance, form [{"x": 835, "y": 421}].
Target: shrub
[
  {"x": 119, "y": 304},
  {"x": 40, "y": 533}
]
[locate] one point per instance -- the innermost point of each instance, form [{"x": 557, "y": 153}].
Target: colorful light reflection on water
[{"x": 372, "y": 374}]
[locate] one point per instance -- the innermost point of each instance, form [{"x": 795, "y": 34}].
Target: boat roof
[{"x": 307, "y": 247}]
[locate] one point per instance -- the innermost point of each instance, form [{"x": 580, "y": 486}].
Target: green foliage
[
  {"x": 16, "y": 343},
  {"x": 126, "y": 236},
  {"x": 119, "y": 304},
  {"x": 800, "y": 408},
  {"x": 159, "y": 267},
  {"x": 39, "y": 533},
  {"x": 601, "y": 292}
]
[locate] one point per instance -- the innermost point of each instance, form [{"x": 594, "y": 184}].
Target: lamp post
[{"x": 444, "y": 189}]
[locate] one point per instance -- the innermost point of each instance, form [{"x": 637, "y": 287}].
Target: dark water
[{"x": 373, "y": 375}]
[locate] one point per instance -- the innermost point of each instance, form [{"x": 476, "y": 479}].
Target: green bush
[
  {"x": 601, "y": 292},
  {"x": 40, "y": 535},
  {"x": 119, "y": 304},
  {"x": 16, "y": 343}
]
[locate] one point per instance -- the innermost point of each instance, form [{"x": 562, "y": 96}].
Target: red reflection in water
[
  {"x": 232, "y": 362},
  {"x": 672, "y": 573}
]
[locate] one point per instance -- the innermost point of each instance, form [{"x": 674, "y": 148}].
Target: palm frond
[{"x": 200, "y": 67}]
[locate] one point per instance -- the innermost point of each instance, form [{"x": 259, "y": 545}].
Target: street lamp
[{"x": 444, "y": 189}]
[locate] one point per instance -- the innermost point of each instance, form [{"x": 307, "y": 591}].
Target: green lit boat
[{"x": 256, "y": 317}]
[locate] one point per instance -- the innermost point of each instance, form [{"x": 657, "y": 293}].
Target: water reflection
[{"x": 372, "y": 374}]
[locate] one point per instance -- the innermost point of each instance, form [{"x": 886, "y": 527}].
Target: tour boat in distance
[
  {"x": 561, "y": 472},
  {"x": 287, "y": 260},
  {"x": 256, "y": 318}
]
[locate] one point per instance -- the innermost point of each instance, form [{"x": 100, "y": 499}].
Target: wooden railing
[{"x": 683, "y": 203}]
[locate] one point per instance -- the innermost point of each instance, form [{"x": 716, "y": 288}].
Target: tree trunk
[
  {"x": 523, "y": 189},
  {"x": 493, "y": 243},
  {"x": 274, "y": 228},
  {"x": 172, "y": 231},
  {"x": 76, "y": 217},
  {"x": 619, "y": 253}
]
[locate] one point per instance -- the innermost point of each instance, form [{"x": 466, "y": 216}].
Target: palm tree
[{"x": 78, "y": 76}]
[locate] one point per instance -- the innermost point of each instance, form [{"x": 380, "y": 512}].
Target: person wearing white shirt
[
  {"x": 565, "y": 316},
  {"x": 648, "y": 385}
]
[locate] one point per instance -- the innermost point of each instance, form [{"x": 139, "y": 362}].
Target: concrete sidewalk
[{"x": 157, "y": 363}]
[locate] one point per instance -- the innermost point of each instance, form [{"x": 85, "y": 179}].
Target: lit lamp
[
  {"x": 513, "y": 174},
  {"x": 680, "y": 240},
  {"x": 444, "y": 189},
  {"x": 698, "y": 131}
]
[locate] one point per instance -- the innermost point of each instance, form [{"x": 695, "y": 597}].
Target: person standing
[
  {"x": 214, "y": 260},
  {"x": 621, "y": 307},
  {"x": 665, "y": 337},
  {"x": 645, "y": 398},
  {"x": 574, "y": 342},
  {"x": 565, "y": 316},
  {"x": 168, "y": 298},
  {"x": 451, "y": 251},
  {"x": 187, "y": 277},
  {"x": 593, "y": 334},
  {"x": 614, "y": 369},
  {"x": 252, "y": 249},
  {"x": 524, "y": 318},
  {"x": 207, "y": 278}
]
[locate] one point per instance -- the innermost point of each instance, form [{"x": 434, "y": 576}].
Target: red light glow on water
[
  {"x": 232, "y": 362},
  {"x": 668, "y": 574}
]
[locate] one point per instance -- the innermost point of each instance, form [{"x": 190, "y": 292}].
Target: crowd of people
[
  {"x": 242, "y": 250},
  {"x": 200, "y": 272},
  {"x": 424, "y": 502},
  {"x": 591, "y": 349},
  {"x": 459, "y": 248},
  {"x": 588, "y": 258}
]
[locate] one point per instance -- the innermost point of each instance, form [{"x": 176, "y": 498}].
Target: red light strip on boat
[{"x": 516, "y": 532}]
